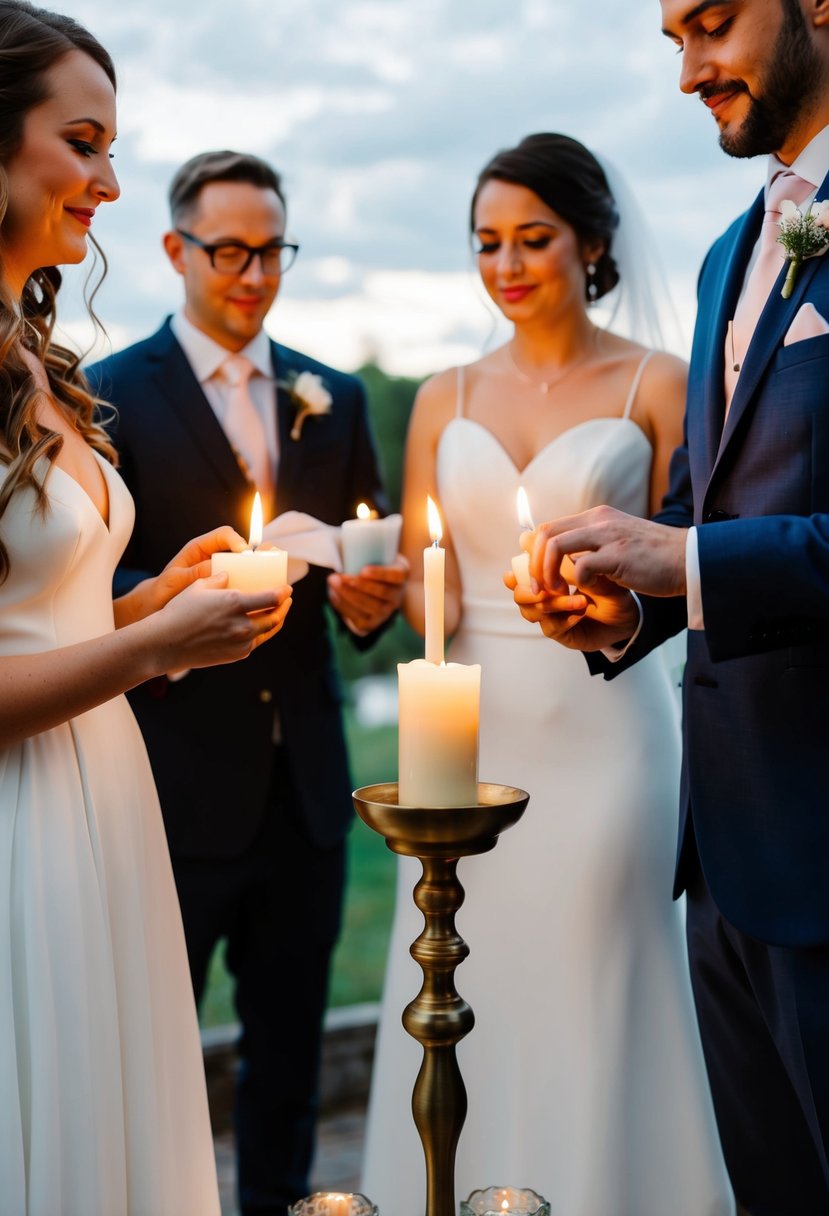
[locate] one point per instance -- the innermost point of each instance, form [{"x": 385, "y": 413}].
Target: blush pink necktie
[
  {"x": 762, "y": 278},
  {"x": 245, "y": 429}
]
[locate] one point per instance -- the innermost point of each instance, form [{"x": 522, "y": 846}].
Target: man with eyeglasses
[{"x": 250, "y": 758}]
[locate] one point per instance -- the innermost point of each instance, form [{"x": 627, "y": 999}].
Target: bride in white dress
[
  {"x": 104, "y": 1109},
  {"x": 584, "y": 1070}
]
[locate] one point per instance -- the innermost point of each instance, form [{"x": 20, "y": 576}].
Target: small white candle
[
  {"x": 254, "y": 569},
  {"x": 433, "y": 587},
  {"x": 369, "y": 541},
  {"x": 521, "y": 563},
  {"x": 439, "y": 711}
]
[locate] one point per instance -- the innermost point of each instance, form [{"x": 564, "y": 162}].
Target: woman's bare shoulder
[
  {"x": 664, "y": 375},
  {"x": 438, "y": 397}
]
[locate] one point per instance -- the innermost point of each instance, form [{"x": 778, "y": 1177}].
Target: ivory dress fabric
[
  {"x": 103, "y": 1109},
  {"x": 584, "y": 1070}
]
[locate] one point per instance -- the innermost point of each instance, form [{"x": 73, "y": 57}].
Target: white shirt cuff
[
  {"x": 612, "y": 654},
  {"x": 693, "y": 582}
]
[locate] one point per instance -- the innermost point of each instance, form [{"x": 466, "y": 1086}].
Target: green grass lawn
[{"x": 361, "y": 954}]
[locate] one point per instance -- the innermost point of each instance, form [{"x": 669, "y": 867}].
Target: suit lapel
[
  {"x": 183, "y": 394},
  {"x": 724, "y": 294},
  {"x": 284, "y": 370},
  {"x": 775, "y": 319}
]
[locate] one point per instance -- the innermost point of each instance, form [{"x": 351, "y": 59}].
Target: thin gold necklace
[{"x": 544, "y": 386}]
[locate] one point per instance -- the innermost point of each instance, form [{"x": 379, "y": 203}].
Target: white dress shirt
[{"x": 206, "y": 358}]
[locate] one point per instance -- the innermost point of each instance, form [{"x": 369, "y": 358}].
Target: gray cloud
[{"x": 380, "y": 114}]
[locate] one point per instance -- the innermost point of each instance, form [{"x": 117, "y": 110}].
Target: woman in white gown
[
  {"x": 103, "y": 1109},
  {"x": 584, "y": 1070}
]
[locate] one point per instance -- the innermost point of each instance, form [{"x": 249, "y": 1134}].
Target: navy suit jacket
[
  {"x": 755, "y": 781},
  {"x": 209, "y": 735}
]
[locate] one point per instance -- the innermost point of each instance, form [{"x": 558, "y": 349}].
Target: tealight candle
[
  {"x": 505, "y": 1201},
  {"x": 521, "y": 563},
  {"x": 253, "y": 569},
  {"x": 331, "y": 1204},
  {"x": 368, "y": 540}
]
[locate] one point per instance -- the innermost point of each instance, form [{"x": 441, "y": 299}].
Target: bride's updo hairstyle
[
  {"x": 571, "y": 182},
  {"x": 32, "y": 41}
]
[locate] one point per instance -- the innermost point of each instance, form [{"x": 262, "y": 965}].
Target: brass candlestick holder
[{"x": 438, "y": 1017}]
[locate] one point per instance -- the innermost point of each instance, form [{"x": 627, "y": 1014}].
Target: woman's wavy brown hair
[{"x": 33, "y": 40}]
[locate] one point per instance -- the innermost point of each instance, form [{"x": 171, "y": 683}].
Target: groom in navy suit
[
  {"x": 740, "y": 553},
  {"x": 250, "y": 758}
]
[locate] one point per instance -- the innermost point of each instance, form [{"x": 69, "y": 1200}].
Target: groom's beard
[{"x": 791, "y": 85}]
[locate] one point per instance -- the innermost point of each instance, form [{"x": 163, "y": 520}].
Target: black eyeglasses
[{"x": 234, "y": 257}]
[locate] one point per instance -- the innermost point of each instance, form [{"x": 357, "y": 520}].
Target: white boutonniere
[
  {"x": 802, "y": 235},
  {"x": 311, "y": 398}
]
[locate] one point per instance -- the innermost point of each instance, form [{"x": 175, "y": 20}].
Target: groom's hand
[{"x": 606, "y": 544}]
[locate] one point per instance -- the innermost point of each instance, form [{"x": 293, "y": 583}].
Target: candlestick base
[{"x": 439, "y": 1017}]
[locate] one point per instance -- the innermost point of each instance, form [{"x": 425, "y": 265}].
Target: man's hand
[
  {"x": 605, "y": 544},
  {"x": 366, "y": 600}
]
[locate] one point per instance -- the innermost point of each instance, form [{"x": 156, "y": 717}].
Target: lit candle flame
[
  {"x": 363, "y": 510},
  {"x": 435, "y": 526},
  {"x": 256, "y": 523},
  {"x": 505, "y": 1202},
  {"x": 525, "y": 518}
]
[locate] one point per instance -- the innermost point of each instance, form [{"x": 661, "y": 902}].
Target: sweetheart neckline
[{"x": 569, "y": 431}]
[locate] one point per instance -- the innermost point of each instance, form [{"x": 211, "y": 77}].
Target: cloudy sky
[{"x": 379, "y": 114}]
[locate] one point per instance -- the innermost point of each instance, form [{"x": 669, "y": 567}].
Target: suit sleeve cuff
[
  {"x": 693, "y": 582},
  {"x": 614, "y": 653}
]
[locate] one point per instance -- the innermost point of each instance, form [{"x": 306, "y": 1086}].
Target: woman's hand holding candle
[
  {"x": 189, "y": 564},
  {"x": 208, "y": 624}
]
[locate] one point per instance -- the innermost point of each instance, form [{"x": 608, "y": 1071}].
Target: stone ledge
[{"x": 347, "y": 1055}]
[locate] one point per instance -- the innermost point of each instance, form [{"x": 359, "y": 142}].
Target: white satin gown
[
  {"x": 103, "y": 1109},
  {"x": 584, "y": 1070}
]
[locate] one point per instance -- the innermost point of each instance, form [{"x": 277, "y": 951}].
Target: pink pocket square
[{"x": 808, "y": 323}]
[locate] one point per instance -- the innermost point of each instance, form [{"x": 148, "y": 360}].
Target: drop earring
[{"x": 592, "y": 289}]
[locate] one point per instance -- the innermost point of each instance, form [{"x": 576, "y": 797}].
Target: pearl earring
[{"x": 592, "y": 289}]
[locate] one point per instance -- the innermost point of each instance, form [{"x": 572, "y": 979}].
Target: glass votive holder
[
  {"x": 505, "y": 1201},
  {"x": 333, "y": 1203}
]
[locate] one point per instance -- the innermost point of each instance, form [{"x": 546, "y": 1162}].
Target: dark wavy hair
[
  {"x": 33, "y": 40},
  {"x": 566, "y": 177}
]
